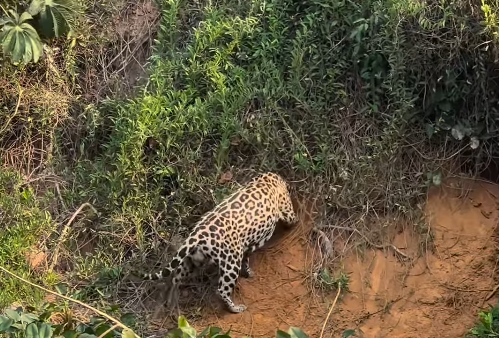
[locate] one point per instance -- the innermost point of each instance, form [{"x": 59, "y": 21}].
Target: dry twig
[
  {"x": 330, "y": 310},
  {"x": 65, "y": 233}
]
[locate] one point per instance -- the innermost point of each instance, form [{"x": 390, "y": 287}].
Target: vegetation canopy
[{"x": 122, "y": 122}]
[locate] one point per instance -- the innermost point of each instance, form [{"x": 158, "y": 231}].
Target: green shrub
[
  {"x": 19, "y": 39},
  {"x": 20, "y": 324},
  {"x": 52, "y": 18},
  {"x": 488, "y": 325},
  {"x": 354, "y": 96}
]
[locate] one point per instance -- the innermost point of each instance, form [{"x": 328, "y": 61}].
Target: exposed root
[
  {"x": 377, "y": 246},
  {"x": 326, "y": 243}
]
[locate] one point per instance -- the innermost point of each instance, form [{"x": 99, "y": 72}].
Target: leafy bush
[
  {"x": 354, "y": 96},
  {"x": 184, "y": 330},
  {"x": 20, "y": 324},
  {"x": 19, "y": 39},
  {"x": 488, "y": 325},
  {"x": 52, "y": 18}
]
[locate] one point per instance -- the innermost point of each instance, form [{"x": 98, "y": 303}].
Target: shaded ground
[{"x": 437, "y": 292}]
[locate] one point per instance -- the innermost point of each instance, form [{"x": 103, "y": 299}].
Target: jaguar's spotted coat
[{"x": 229, "y": 233}]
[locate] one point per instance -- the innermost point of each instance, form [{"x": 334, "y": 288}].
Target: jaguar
[{"x": 228, "y": 234}]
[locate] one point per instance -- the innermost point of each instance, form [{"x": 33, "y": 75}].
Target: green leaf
[
  {"x": 282, "y": 334},
  {"x": 186, "y": 328},
  {"x": 437, "y": 179},
  {"x": 214, "y": 331},
  {"x": 69, "y": 334},
  {"x": 61, "y": 289},
  {"x": 36, "y": 7},
  {"x": 32, "y": 331},
  {"x": 29, "y": 318},
  {"x": 20, "y": 40},
  {"x": 5, "y": 323},
  {"x": 25, "y": 17},
  {"x": 45, "y": 331},
  {"x": 348, "y": 333},
  {"x": 127, "y": 333},
  {"x": 103, "y": 328},
  {"x": 129, "y": 319},
  {"x": 87, "y": 335},
  {"x": 295, "y": 332},
  {"x": 430, "y": 130},
  {"x": 4, "y": 21},
  {"x": 14, "y": 315},
  {"x": 175, "y": 333},
  {"x": 14, "y": 15},
  {"x": 57, "y": 17}
]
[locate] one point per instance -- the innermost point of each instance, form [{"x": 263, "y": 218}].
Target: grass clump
[{"x": 24, "y": 222}]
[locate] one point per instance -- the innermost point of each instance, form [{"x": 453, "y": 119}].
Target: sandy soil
[{"x": 438, "y": 292}]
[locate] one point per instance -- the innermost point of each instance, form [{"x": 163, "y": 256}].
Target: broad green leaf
[
  {"x": 32, "y": 331},
  {"x": 14, "y": 315},
  {"x": 28, "y": 318},
  {"x": 295, "y": 332},
  {"x": 61, "y": 289},
  {"x": 45, "y": 331},
  {"x": 35, "y": 44},
  {"x": 36, "y": 7},
  {"x": 57, "y": 16},
  {"x": 14, "y": 15},
  {"x": 5, "y": 323},
  {"x": 282, "y": 334},
  {"x": 186, "y": 328},
  {"x": 128, "y": 319},
  {"x": 20, "y": 40},
  {"x": 25, "y": 17},
  {"x": 69, "y": 334},
  {"x": 99, "y": 330},
  {"x": 182, "y": 322},
  {"x": 127, "y": 333},
  {"x": 18, "y": 51},
  {"x": 28, "y": 52},
  {"x": 214, "y": 331}
]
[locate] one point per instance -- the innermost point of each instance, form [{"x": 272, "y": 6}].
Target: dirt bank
[{"x": 438, "y": 292}]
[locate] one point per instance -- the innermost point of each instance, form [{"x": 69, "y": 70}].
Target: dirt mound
[
  {"x": 437, "y": 292},
  {"x": 440, "y": 293}
]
